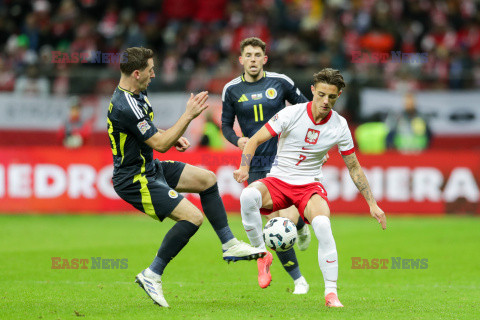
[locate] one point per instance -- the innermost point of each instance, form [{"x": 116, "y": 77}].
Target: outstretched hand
[
  {"x": 196, "y": 104},
  {"x": 378, "y": 214}
]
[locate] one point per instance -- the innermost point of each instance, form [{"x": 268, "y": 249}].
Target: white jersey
[{"x": 302, "y": 143}]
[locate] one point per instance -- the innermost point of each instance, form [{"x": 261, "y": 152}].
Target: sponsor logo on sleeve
[
  {"x": 173, "y": 194},
  {"x": 143, "y": 126}
]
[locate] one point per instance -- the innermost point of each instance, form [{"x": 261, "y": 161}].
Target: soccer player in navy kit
[
  {"x": 254, "y": 98},
  {"x": 153, "y": 186}
]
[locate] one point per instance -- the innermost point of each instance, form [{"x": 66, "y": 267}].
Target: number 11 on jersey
[{"x": 260, "y": 111}]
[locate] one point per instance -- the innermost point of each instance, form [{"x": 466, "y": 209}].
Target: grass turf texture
[{"x": 199, "y": 284}]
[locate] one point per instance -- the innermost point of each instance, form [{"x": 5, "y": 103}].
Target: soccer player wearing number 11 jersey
[{"x": 306, "y": 131}]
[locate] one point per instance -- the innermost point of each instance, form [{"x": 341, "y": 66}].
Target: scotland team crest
[
  {"x": 271, "y": 93},
  {"x": 173, "y": 194}
]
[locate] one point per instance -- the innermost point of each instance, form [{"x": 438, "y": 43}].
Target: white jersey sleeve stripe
[
  {"x": 133, "y": 105},
  {"x": 231, "y": 83},
  {"x": 279, "y": 75}
]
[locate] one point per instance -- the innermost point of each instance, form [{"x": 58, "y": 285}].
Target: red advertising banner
[{"x": 58, "y": 180}]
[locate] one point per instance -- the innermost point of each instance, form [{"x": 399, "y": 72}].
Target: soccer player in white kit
[{"x": 306, "y": 131}]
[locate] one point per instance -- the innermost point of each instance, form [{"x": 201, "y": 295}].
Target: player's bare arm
[
  {"x": 360, "y": 180},
  {"x": 162, "y": 142},
  {"x": 258, "y": 138},
  {"x": 242, "y": 142},
  {"x": 181, "y": 145}
]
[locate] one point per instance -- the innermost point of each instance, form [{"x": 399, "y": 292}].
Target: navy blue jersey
[
  {"x": 254, "y": 103},
  {"x": 130, "y": 123}
]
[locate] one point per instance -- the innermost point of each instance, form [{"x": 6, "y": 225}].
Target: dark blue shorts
[
  {"x": 254, "y": 176},
  {"x": 155, "y": 194}
]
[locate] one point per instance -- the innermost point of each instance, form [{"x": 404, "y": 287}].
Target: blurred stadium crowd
[
  {"x": 197, "y": 41},
  {"x": 410, "y": 116}
]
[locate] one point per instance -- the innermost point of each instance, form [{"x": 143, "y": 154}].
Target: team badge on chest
[
  {"x": 271, "y": 93},
  {"x": 312, "y": 136}
]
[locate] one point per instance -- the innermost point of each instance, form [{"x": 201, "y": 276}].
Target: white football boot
[
  {"x": 153, "y": 287},
  {"x": 242, "y": 251},
  {"x": 301, "y": 286}
]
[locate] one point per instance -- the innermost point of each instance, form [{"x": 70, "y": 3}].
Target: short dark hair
[
  {"x": 135, "y": 58},
  {"x": 329, "y": 76},
  {"x": 254, "y": 42}
]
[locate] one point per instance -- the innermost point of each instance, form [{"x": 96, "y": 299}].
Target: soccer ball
[{"x": 280, "y": 234}]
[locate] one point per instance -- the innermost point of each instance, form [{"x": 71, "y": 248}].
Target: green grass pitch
[{"x": 198, "y": 284}]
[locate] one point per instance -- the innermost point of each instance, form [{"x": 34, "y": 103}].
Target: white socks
[
  {"x": 327, "y": 252},
  {"x": 251, "y": 202}
]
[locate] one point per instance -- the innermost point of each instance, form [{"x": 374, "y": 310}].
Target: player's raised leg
[
  {"x": 204, "y": 182},
  {"x": 189, "y": 218},
  {"x": 288, "y": 258},
  {"x": 318, "y": 213},
  {"x": 304, "y": 236},
  {"x": 254, "y": 197}
]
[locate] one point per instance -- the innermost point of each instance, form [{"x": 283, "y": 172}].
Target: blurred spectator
[
  {"x": 198, "y": 37},
  {"x": 76, "y": 129},
  {"x": 377, "y": 40},
  {"x": 61, "y": 83},
  {"x": 212, "y": 135},
  {"x": 30, "y": 29},
  {"x": 130, "y": 30},
  {"x": 7, "y": 77},
  {"x": 409, "y": 130},
  {"x": 210, "y": 11},
  {"x": 32, "y": 83},
  {"x": 370, "y": 137},
  {"x": 253, "y": 25}
]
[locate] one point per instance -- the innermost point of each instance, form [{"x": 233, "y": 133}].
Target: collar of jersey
[
  {"x": 310, "y": 115},
  {"x": 264, "y": 76},
  {"x": 130, "y": 92}
]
